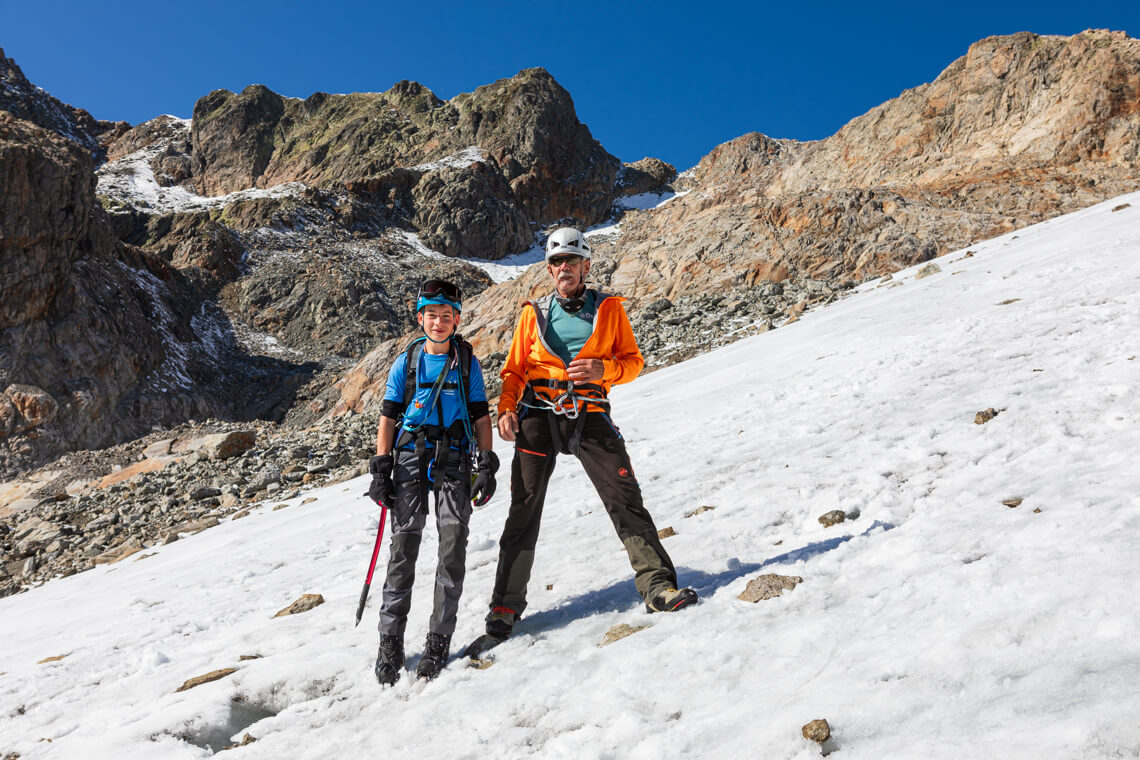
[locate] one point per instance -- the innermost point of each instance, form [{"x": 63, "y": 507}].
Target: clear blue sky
[{"x": 671, "y": 79}]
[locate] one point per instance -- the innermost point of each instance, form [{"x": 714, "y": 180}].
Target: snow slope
[{"x": 939, "y": 623}]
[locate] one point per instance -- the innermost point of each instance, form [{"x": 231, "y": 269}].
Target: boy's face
[{"x": 438, "y": 321}]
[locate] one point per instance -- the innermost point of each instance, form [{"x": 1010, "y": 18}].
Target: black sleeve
[
  {"x": 476, "y": 410},
  {"x": 393, "y": 409}
]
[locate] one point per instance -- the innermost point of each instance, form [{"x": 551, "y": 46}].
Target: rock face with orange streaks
[{"x": 1022, "y": 128}]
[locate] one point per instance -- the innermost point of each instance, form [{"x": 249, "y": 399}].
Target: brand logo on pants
[{"x": 623, "y": 472}]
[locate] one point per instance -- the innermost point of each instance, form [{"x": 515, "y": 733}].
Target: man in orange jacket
[{"x": 568, "y": 349}]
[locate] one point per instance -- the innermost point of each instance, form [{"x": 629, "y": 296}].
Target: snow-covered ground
[{"x": 939, "y": 623}]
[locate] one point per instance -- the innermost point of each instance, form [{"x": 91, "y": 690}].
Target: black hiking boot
[
  {"x": 671, "y": 600},
  {"x": 436, "y": 649},
  {"x": 500, "y": 622},
  {"x": 389, "y": 660}
]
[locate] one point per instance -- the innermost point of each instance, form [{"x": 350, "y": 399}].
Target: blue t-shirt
[{"x": 422, "y": 409}]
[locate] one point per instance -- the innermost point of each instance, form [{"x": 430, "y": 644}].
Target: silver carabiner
[{"x": 570, "y": 411}]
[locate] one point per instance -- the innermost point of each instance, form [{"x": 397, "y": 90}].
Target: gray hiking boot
[
  {"x": 671, "y": 600},
  {"x": 389, "y": 660},
  {"x": 436, "y": 649}
]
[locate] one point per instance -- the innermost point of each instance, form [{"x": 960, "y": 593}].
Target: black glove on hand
[
  {"x": 383, "y": 490},
  {"x": 484, "y": 486}
]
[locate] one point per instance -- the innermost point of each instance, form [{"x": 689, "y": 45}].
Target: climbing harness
[{"x": 444, "y": 439}]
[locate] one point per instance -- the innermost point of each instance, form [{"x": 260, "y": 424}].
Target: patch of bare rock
[
  {"x": 768, "y": 586},
  {"x": 103, "y": 506}
]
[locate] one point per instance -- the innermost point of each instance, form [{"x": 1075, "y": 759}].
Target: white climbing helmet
[{"x": 567, "y": 241}]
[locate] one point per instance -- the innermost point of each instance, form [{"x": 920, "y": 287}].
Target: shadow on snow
[{"x": 616, "y": 596}]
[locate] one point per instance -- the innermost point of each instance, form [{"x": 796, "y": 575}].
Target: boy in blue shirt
[{"x": 429, "y": 424}]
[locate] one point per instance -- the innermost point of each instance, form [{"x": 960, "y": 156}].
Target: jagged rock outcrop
[
  {"x": 646, "y": 175},
  {"x": 535, "y": 162},
  {"x": 470, "y": 212},
  {"x": 528, "y": 125},
  {"x": 1021, "y": 128},
  {"x": 24, "y": 100},
  {"x": 100, "y": 340},
  {"x": 171, "y": 164},
  {"x": 257, "y": 138},
  {"x": 328, "y": 268}
]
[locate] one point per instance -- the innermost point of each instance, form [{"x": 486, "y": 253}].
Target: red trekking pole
[{"x": 371, "y": 566}]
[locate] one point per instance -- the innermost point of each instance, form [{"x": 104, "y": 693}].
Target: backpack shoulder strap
[
  {"x": 411, "y": 366},
  {"x": 464, "y": 354},
  {"x": 541, "y": 308}
]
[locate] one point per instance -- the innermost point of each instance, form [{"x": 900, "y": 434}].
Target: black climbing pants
[{"x": 601, "y": 449}]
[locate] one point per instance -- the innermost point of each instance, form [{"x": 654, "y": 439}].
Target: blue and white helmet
[{"x": 567, "y": 241}]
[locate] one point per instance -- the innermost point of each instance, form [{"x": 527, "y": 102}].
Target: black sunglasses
[
  {"x": 557, "y": 261},
  {"x": 433, "y": 288}
]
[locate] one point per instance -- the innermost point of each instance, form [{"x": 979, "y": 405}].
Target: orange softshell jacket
[{"x": 530, "y": 358}]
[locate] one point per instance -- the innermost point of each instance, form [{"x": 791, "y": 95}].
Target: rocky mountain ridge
[
  {"x": 258, "y": 264},
  {"x": 1020, "y": 129},
  {"x": 24, "y": 100},
  {"x": 225, "y": 306}
]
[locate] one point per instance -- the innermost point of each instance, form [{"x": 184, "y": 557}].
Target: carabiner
[{"x": 570, "y": 412}]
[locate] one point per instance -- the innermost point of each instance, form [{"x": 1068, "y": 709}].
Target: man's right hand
[
  {"x": 382, "y": 490},
  {"x": 508, "y": 426}
]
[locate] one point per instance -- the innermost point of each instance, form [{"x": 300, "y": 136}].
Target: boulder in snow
[
  {"x": 304, "y": 603},
  {"x": 620, "y": 631},
  {"x": 985, "y": 416},
  {"x": 834, "y": 517},
  {"x": 817, "y": 730},
  {"x": 768, "y": 586},
  {"x": 213, "y": 675}
]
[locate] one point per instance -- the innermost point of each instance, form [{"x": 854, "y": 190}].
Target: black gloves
[
  {"x": 484, "y": 486},
  {"x": 383, "y": 490}
]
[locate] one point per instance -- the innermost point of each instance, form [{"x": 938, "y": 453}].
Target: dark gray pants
[
  {"x": 604, "y": 457},
  {"x": 407, "y": 520}
]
